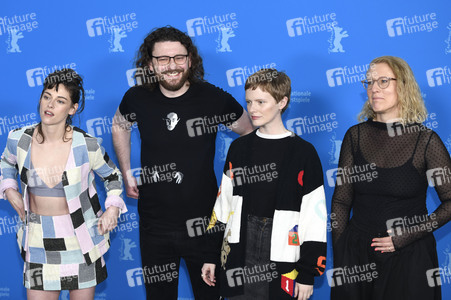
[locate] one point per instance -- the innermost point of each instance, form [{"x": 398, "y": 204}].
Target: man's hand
[{"x": 131, "y": 185}]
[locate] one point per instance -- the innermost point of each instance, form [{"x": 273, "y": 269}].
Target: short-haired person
[
  {"x": 64, "y": 232},
  {"x": 178, "y": 114},
  {"x": 390, "y": 232},
  {"x": 271, "y": 203}
]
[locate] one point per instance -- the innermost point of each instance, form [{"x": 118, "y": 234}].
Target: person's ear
[
  {"x": 73, "y": 109},
  {"x": 282, "y": 103}
]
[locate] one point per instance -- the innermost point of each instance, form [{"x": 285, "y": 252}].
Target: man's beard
[{"x": 174, "y": 85}]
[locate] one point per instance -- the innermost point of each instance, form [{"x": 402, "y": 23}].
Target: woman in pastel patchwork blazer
[{"x": 64, "y": 232}]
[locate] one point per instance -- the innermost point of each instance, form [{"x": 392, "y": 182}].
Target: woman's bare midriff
[{"x": 48, "y": 206}]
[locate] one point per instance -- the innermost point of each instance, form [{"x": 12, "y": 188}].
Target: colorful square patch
[
  {"x": 288, "y": 282},
  {"x": 293, "y": 236}
]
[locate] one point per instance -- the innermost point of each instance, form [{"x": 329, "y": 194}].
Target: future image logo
[
  {"x": 438, "y": 176},
  {"x": 235, "y": 277},
  {"x": 136, "y": 173},
  {"x": 207, "y": 25},
  {"x": 410, "y": 25},
  {"x": 197, "y": 226},
  {"x": 335, "y": 77},
  {"x": 411, "y": 224},
  {"x": 95, "y": 27},
  {"x": 237, "y": 76},
  {"x": 99, "y": 126},
  {"x": 36, "y": 76},
  {"x": 160, "y": 273},
  {"x": 438, "y": 276},
  {"x": 310, "y": 25},
  {"x": 434, "y": 277},
  {"x": 438, "y": 76},
  {"x": 210, "y": 124},
  {"x": 352, "y": 174},
  {"x": 141, "y": 76},
  {"x": 35, "y": 277},
  {"x": 346, "y": 75},
  {"x": 116, "y": 26},
  {"x": 222, "y": 25},
  {"x": 251, "y": 275},
  {"x": 134, "y": 277},
  {"x": 104, "y": 125},
  {"x": 135, "y": 76},
  {"x": 16, "y": 121},
  {"x": 396, "y": 128},
  {"x": 195, "y": 26},
  {"x": 352, "y": 275},
  {"x": 156, "y": 174},
  {"x": 9, "y": 225},
  {"x": 253, "y": 174},
  {"x": 314, "y": 124}
]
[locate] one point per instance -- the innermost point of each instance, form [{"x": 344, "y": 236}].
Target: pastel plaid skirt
[{"x": 53, "y": 259}]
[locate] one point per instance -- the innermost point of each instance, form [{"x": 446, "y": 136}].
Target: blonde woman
[
  {"x": 64, "y": 232},
  {"x": 384, "y": 168}
]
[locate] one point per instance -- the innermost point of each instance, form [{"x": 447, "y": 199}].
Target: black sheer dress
[{"x": 383, "y": 175}]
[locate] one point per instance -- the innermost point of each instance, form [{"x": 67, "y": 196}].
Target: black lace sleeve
[
  {"x": 438, "y": 172},
  {"x": 343, "y": 193}
]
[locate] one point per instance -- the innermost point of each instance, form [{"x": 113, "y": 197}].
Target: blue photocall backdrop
[{"x": 324, "y": 46}]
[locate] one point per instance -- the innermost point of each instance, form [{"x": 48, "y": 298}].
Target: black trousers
[{"x": 160, "y": 256}]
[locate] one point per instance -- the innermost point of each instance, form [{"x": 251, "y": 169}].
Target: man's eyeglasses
[
  {"x": 382, "y": 82},
  {"x": 179, "y": 59}
]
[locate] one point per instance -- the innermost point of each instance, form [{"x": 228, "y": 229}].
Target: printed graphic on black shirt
[
  {"x": 171, "y": 120},
  {"x": 157, "y": 173}
]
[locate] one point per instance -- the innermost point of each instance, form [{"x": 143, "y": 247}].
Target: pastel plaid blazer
[{"x": 85, "y": 158}]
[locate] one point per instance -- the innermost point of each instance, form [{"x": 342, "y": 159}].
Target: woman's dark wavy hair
[
  {"x": 166, "y": 34},
  {"x": 73, "y": 84}
]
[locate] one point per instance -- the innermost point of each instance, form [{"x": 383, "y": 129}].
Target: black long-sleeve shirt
[{"x": 383, "y": 175}]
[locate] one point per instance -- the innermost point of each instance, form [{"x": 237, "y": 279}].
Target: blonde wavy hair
[{"x": 411, "y": 104}]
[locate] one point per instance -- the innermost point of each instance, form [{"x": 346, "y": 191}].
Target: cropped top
[{"x": 38, "y": 187}]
